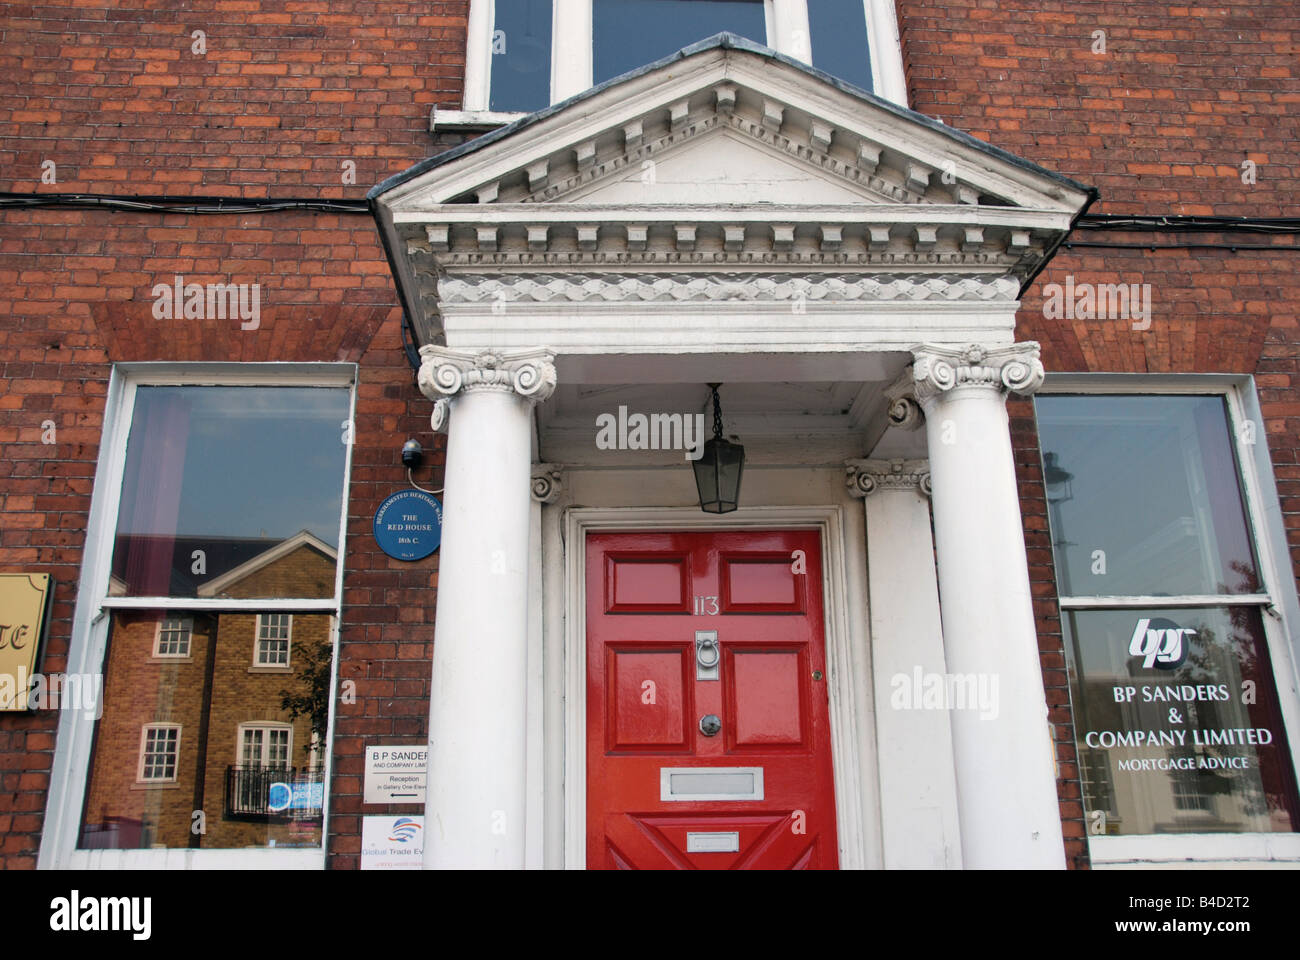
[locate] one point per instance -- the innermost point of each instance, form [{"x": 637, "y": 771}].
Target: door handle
[{"x": 707, "y": 654}]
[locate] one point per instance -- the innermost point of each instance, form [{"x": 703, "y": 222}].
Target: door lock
[
  {"x": 710, "y": 724},
  {"x": 707, "y": 654}
]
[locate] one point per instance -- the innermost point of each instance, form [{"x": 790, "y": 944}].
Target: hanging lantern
[{"x": 718, "y": 470}]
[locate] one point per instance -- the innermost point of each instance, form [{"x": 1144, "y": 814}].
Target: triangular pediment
[
  {"x": 725, "y": 166},
  {"x": 724, "y": 155}
]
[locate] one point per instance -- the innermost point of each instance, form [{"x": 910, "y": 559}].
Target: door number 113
[{"x": 707, "y": 606}]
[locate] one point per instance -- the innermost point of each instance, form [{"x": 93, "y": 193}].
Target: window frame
[
  {"x": 262, "y": 665},
  {"x": 187, "y": 655},
  {"x": 264, "y": 725},
  {"x": 1278, "y": 604},
  {"x": 572, "y": 55},
  {"x": 140, "y": 778},
  {"x": 92, "y": 615}
]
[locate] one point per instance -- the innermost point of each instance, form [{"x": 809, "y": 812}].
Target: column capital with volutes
[{"x": 940, "y": 371}]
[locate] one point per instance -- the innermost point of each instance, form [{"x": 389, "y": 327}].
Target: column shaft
[
  {"x": 1003, "y": 749},
  {"x": 918, "y": 789},
  {"x": 476, "y": 798}
]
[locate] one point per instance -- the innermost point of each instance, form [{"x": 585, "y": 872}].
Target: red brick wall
[
  {"x": 285, "y": 94},
  {"x": 1159, "y": 123}
]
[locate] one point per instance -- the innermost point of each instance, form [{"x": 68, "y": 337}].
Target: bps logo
[{"x": 1159, "y": 643}]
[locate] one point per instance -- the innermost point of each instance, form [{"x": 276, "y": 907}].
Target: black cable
[
  {"x": 165, "y": 204},
  {"x": 201, "y": 204},
  {"x": 408, "y": 344},
  {"x": 1176, "y": 223},
  {"x": 1283, "y": 248}
]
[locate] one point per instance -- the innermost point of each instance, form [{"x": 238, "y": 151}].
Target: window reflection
[
  {"x": 1143, "y": 496},
  {"x": 209, "y": 734},
  {"x": 521, "y": 55},
  {"x": 627, "y": 34},
  {"x": 217, "y": 478},
  {"x": 215, "y": 721},
  {"x": 839, "y": 40}
]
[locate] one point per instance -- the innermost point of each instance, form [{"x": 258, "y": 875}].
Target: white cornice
[{"x": 573, "y": 213}]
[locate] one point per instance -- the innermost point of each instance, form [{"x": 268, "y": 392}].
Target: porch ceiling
[{"x": 781, "y": 422}]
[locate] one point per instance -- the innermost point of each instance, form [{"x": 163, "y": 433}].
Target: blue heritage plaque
[{"x": 408, "y": 525}]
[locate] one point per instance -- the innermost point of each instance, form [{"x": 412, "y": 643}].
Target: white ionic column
[
  {"x": 1004, "y": 758},
  {"x": 918, "y": 790},
  {"x": 476, "y": 799}
]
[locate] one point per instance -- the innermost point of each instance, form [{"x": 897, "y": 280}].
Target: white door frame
[{"x": 848, "y": 668}]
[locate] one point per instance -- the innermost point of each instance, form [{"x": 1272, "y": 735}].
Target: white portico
[{"x": 850, "y": 272}]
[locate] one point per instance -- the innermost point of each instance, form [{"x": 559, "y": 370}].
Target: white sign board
[
  {"x": 392, "y": 843},
  {"x": 396, "y": 774}
]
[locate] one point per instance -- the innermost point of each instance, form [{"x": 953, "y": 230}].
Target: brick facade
[
  {"x": 1159, "y": 123},
  {"x": 289, "y": 94}
]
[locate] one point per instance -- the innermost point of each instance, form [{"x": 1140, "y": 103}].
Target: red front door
[{"x": 708, "y": 735}]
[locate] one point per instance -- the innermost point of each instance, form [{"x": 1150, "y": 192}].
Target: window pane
[
  {"x": 521, "y": 55},
  {"x": 273, "y": 632},
  {"x": 627, "y": 34},
  {"x": 174, "y": 637},
  {"x": 1177, "y": 722},
  {"x": 237, "y": 746},
  {"x": 231, "y": 492},
  {"x": 1143, "y": 496},
  {"x": 839, "y": 40}
]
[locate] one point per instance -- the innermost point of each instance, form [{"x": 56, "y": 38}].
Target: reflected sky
[
  {"x": 1150, "y": 482},
  {"x": 631, "y": 33},
  {"x": 261, "y": 462}
]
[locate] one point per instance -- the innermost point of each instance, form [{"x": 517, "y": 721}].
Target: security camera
[{"x": 412, "y": 454}]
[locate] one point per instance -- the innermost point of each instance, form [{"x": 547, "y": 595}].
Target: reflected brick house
[{"x": 224, "y": 760}]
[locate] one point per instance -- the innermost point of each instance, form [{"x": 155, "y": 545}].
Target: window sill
[
  {"x": 443, "y": 119},
  {"x": 156, "y": 785},
  {"x": 259, "y": 668},
  {"x": 185, "y": 858},
  {"x": 1194, "y": 850}
]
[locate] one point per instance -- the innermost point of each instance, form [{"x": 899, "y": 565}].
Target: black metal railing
[{"x": 249, "y": 799}]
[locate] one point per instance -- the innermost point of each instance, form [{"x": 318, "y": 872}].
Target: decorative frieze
[{"x": 642, "y": 287}]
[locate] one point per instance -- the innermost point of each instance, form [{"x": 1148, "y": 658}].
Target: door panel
[
  {"x": 640, "y": 677},
  {"x": 661, "y": 793},
  {"x": 765, "y": 699}
]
